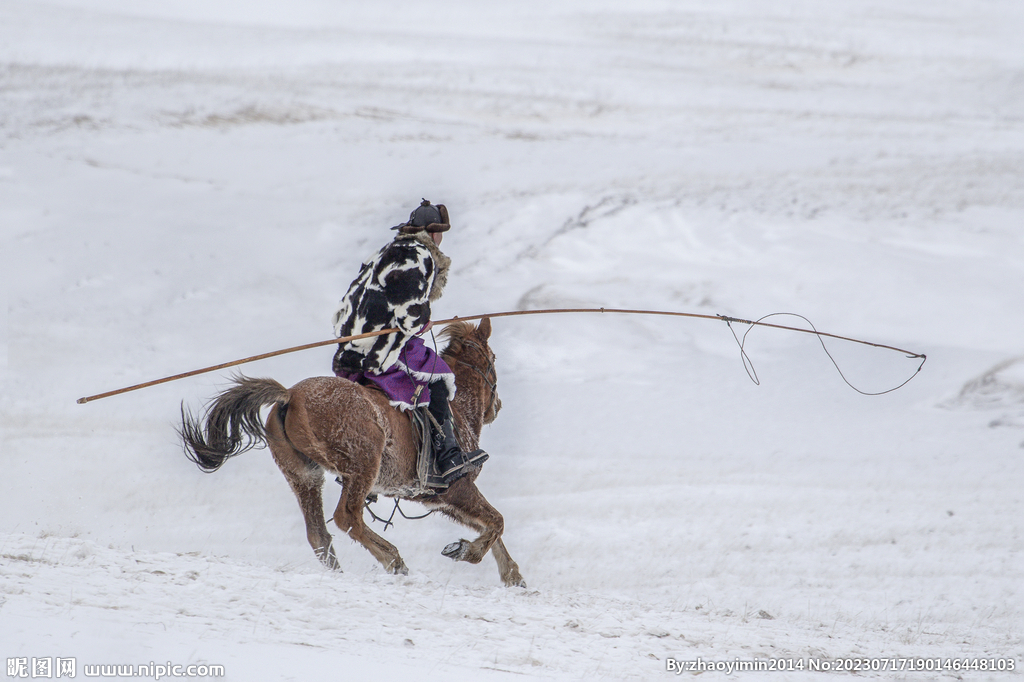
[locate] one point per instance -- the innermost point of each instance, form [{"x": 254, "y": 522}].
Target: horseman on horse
[
  {"x": 394, "y": 289},
  {"x": 345, "y": 426}
]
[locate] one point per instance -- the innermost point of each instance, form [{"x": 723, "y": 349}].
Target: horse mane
[{"x": 455, "y": 333}]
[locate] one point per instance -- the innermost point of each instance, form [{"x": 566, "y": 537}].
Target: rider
[{"x": 394, "y": 289}]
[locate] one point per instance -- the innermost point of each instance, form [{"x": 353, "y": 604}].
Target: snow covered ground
[{"x": 185, "y": 183}]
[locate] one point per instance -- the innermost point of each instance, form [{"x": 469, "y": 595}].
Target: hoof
[
  {"x": 456, "y": 551},
  {"x": 513, "y": 579},
  {"x": 328, "y": 559},
  {"x": 398, "y": 568}
]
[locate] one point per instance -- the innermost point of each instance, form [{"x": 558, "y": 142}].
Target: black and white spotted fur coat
[{"x": 393, "y": 289}]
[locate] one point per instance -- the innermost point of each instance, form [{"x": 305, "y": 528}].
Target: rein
[{"x": 390, "y": 520}]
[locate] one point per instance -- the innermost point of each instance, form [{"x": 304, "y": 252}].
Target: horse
[{"x": 331, "y": 424}]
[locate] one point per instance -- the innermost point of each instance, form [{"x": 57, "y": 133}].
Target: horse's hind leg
[
  {"x": 311, "y": 502},
  {"x": 349, "y": 518},
  {"x": 464, "y": 503},
  {"x": 306, "y": 479}
]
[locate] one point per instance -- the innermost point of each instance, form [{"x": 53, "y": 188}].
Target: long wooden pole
[{"x": 511, "y": 313}]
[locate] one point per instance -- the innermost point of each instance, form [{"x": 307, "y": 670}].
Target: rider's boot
[{"x": 452, "y": 462}]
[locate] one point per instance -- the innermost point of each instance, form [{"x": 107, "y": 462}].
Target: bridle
[{"x": 490, "y": 377}]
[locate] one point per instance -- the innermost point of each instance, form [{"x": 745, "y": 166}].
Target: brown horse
[{"x": 335, "y": 425}]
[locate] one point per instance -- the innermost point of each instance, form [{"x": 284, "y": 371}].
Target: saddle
[{"x": 427, "y": 474}]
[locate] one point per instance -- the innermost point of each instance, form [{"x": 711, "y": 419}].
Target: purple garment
[{"x": 406, "y": 382}]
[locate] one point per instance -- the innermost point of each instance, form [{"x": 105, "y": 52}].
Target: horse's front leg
[
  {"x": 507, "y": 568},
  {"x": 464, "y": 503}
]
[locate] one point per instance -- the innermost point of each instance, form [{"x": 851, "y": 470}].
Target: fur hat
[{"x": 426, "y": 217}]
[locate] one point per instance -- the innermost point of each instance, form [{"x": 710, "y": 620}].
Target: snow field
[{"x": 186, "y": 183}]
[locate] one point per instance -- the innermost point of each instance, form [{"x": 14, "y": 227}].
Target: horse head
[{"x": 468, "y": 350}]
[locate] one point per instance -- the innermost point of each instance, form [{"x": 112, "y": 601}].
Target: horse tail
[{"x": 231, "y": 423}]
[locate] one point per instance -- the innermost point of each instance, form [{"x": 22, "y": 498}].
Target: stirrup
[{"x": 452, "y": 470}]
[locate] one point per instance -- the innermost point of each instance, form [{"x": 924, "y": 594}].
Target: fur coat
[{"x": 394, "y": 289}]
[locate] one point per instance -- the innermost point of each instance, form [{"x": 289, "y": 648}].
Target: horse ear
[{"x": 483, "y": 330}]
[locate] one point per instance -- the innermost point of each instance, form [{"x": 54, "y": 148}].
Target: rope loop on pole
[{"x": 748, "y": 364}]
